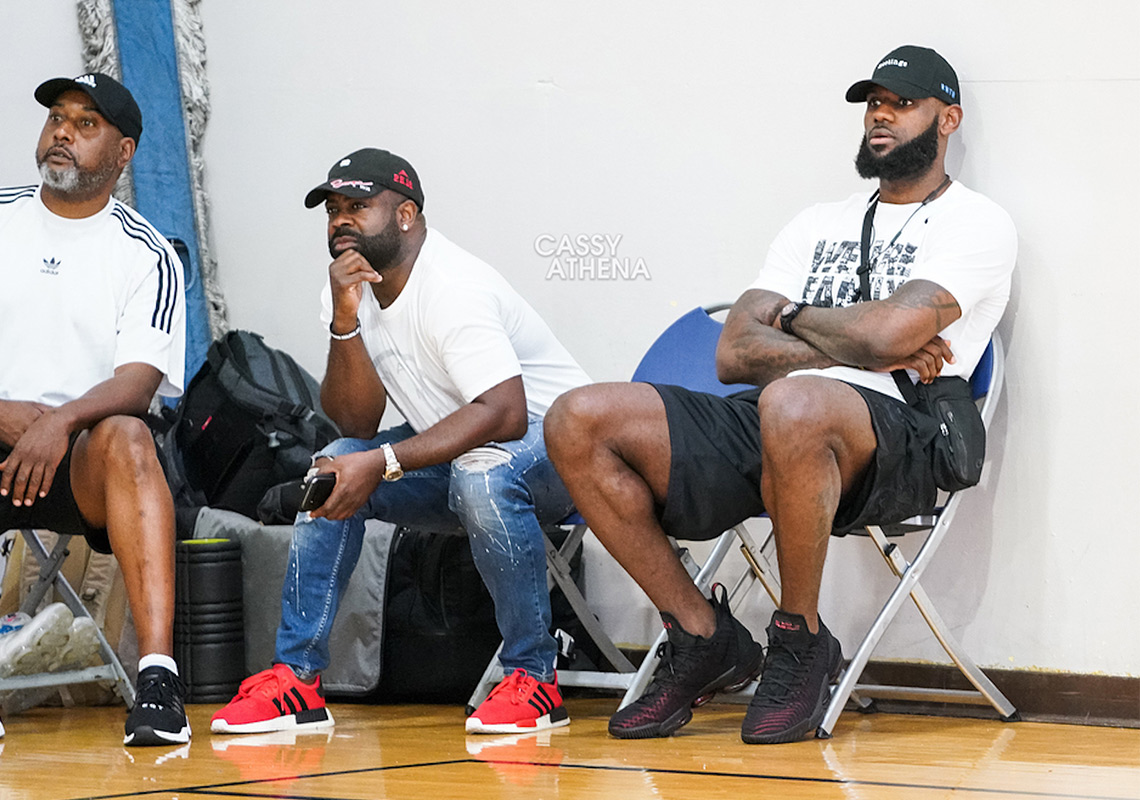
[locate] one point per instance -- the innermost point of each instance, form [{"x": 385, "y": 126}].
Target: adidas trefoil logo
[
  {"x": 87, "y": 79},
  {"x": 51, "y": 267}
]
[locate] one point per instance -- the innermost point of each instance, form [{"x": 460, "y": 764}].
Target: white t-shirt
[
  {"x": 81, "y": 297},
  {"x": 456, "y": 330},
  {"x": 963, "y": 241}
]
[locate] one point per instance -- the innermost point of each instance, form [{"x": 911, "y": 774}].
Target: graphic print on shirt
[{"x": 834, "y": 282}]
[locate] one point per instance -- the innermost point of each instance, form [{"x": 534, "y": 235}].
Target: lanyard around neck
[
  {"x": 864, "y": 292},
  {"x": 906, "y": 388}
]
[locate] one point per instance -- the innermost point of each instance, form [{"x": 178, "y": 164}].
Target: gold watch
[{"x": 392, "y": 469}]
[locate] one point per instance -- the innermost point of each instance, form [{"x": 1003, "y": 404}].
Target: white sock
[{"x": 157, "y": 660}]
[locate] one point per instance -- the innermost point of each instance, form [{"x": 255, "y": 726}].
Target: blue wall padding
[{"x": 161, "y": 165}]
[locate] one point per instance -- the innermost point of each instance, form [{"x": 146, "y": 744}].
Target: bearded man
[
  {"x": 92, "y": 326},
  {"x": 415, "y": 320},
  {"x": 825, "y": 443}
]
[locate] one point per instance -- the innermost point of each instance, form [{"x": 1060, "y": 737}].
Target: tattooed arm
[
  {"x": 901, "y": 331},
  {"x": 882, "y": 333},
  {"x": 751, "y": 350}
]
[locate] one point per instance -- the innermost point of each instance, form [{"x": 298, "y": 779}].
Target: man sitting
[
  {"x": 414, "y": 319},
  {"x": 827, "y": 445},
  {"x": 92, "y": 325}
]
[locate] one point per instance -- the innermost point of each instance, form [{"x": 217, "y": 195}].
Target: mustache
[
  {"x": 344, "y": 231},
  {"x": 59, "y": 149}
]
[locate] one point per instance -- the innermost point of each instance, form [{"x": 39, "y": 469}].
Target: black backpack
[
  {"x": 250, "y": 419},
  {"x": 439, "y": 629}
]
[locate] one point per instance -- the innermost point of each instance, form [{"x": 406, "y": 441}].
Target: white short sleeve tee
[
  {"x": 81, "y": 297},
  {"x": 963, "y": 241},
  {"x": 456, "y": 330}
]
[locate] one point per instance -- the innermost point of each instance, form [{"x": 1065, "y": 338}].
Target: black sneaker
[
  {"x": 691, "y": 671},
  {"x": 794, "y": 687},
  {"x": 158, "y": 717}
]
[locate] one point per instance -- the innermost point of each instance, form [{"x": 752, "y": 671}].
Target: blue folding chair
[{"x": 685, "y": 355}]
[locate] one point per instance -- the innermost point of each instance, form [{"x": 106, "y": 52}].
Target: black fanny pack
[{"x": 956, "y": 428}]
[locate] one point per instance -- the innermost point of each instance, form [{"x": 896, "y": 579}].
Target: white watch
[{"x": 392, "y": 469}]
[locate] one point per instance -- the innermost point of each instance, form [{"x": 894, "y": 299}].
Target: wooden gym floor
[{"x": 419, "y": 751}]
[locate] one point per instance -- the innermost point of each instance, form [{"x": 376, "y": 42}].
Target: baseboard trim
[{"x": 1064, "y": 697}]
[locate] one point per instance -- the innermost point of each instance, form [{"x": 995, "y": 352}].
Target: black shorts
[
  {"x": 57, "y": 512},
  {"x": 714, "y": 470}
]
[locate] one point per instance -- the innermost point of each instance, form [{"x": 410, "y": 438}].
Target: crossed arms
[{"x": 900, "y": 332}]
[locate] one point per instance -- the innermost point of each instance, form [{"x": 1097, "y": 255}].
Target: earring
[{"x": 405, "y": 226}]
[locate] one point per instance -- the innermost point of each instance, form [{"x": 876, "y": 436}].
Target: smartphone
[{"x": 317, "y": 490}]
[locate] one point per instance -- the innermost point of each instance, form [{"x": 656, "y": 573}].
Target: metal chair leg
[{"x": 50, "y": 575}]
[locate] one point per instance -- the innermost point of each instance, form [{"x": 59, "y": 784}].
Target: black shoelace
[
  {"x": 784, "y": 672},
  {"x": 675, "y": 663},
  {"x": 160, "y": 689},
  {"x": 665, "y": 669}
]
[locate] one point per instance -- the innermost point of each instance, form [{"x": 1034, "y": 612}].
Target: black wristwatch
[{"x": 789, "y": 313}]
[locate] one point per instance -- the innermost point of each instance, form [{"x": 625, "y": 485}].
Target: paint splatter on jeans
[{"x": 500, "y": 494}]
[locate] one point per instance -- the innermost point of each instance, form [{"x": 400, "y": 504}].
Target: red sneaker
[
  {"x": 274, "y": 700},
  {"x": 519, "y": 704}
]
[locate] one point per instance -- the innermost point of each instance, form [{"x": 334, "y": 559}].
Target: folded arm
[
  {"x": 896, "y": 333},
  {"x": 880, "y": 334},
  {"x": 751, "y": 350}
]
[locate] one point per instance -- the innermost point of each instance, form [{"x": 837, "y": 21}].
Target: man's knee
[
  {"x": 488, "y": 494},
  {"x": 571, "y": 418},
  {"x": 591, "y": 415},
  {"x": 802, "y": 414},
  {"x": 480, "y": 477},
  {"x": 122, "y": 442},
  {"x": 790, "y": 407},
  {"x": 341, "y": 447}
]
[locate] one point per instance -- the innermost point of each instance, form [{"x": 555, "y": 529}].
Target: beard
[
  {"x": 380, "y": 250},
  {"x": 908, "y": 160},
  {"x": 75, "y": 181}
]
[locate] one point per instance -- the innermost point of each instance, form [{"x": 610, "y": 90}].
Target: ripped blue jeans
[{"x": 500, "y": 494}]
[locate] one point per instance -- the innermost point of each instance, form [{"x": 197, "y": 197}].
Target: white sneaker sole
[
  {"x": 543, "y": 723},
  {"x": 36, "y": 647},
  {"x": 148, "y": 737},
  {"x": 287, "y": 723},
  {"x": 82, "y": 644}
]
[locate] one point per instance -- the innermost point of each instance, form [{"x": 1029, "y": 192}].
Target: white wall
[
  {"x": 695, "y": 135},
  {"x": 37, "y": 41}
]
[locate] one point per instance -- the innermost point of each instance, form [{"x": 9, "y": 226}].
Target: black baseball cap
[
  {"x": 113, "y": 100},
  {"x": 911, "y": 72},
  {"x": 366, "y": 173}
]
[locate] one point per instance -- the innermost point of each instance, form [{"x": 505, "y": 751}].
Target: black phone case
[{"x": 317, "y": 490}]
